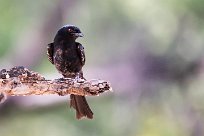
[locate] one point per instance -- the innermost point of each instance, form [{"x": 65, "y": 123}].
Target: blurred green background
[{"x": 150, "y": 51}]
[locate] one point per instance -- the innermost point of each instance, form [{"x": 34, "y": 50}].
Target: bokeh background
[{"x": 150, "y": 50}]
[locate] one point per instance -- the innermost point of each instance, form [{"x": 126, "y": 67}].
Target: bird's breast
[{"x": 67, "y": 61}]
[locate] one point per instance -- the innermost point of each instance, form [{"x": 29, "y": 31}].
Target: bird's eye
[{"x": 70, "y": 30}]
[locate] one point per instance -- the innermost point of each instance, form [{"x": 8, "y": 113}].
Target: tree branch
[{"x": 19, "y": 81}]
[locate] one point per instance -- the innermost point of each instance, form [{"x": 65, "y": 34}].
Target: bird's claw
[{"x": 79, "y": 79}]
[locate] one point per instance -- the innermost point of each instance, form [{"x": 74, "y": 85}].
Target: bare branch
[{"x": 19, "y": 81}]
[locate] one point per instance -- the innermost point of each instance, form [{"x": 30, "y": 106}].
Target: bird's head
[{"x": 69, "y": 32}]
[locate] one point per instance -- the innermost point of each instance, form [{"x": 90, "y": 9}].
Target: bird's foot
[{"x": 79, "y": 79}]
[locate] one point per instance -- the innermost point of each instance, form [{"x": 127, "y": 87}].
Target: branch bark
[{"x": 20, "y": 81}]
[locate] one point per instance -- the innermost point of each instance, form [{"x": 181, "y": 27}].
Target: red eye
[{"x": 70, "y": 30}]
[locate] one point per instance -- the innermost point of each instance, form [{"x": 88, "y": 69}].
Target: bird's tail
[{"x": 82, "y": 108}]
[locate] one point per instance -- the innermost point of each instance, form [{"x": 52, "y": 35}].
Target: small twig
[{"x": 19, "y": 81}]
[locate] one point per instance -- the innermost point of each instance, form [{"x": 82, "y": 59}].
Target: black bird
[{"x": 68, "y": 57}]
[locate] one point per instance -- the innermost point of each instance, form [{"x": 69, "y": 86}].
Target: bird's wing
[
  {"x": 50, "y": 48},
  {"x": 81, "y": 53}
]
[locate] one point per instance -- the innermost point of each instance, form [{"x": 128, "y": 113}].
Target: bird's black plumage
[{"x": 68, "y": 57}]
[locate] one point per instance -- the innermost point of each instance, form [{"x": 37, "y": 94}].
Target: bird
[{"x": 68, "y": 56}]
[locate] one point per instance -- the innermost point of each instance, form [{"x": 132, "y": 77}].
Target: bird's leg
[{"x": 79, "y": 78}]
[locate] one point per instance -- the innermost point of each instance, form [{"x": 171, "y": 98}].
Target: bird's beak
[{"x": 78, "y": 34}]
